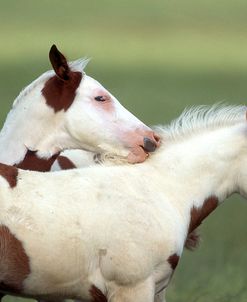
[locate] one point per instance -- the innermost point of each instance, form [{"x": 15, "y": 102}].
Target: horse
[
  {"x": 116, "y": 232},
  {"x": 66, "y": 109}
]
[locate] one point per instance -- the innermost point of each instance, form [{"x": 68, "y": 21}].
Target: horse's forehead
[{"x": 90, "y": 83}]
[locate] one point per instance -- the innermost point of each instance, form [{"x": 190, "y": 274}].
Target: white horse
[
  {"x": 116, "y": 233},
  {"x": 66, "y": 109}
]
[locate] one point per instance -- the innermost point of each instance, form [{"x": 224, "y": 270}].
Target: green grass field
[{"x": 157, "y": 57}]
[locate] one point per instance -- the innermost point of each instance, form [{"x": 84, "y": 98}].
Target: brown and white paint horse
[
  {"x": 116, "y": 233},
  {"x": 66, "y": 109}
]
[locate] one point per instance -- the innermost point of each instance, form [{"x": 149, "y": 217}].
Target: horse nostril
[
  {"x": 149, "y": 145},
  {"x": 157, "y": 138}
]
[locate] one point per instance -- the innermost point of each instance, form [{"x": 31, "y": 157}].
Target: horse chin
[{"x": 137, "y": 155}]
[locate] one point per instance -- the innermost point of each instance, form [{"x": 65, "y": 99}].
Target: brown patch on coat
[
  {"x": 14, "y": 262},
  {"x": 10, "y": 173},
  {"x": 173, "y": 260},
  {"x": 65, "y": 163},
  {"x": 59, "y": 94},
  {"x": 197, "y": 216},
  {"x": 32, "y": 162},
  {"x": 97, "y": 295},
  {"x": 192, "y": 241}
]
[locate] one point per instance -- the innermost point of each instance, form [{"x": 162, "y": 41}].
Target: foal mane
[
  {"x": 78, "y": 65},
  {"x": 200, "y": 118}
]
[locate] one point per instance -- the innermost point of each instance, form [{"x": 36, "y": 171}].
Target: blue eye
[{"x": 100, "y": 98}]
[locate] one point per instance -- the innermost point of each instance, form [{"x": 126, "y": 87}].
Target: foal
[
  {"x": 66, "y": 109},
  {"x": 116, "y": 233}
]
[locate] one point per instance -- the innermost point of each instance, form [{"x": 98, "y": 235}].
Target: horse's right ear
[{"x": 59, "y": 63}]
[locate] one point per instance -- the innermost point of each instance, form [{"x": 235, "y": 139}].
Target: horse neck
[
  {"x": 202, "y": 169},
  {"x": 27, "y": 139}
]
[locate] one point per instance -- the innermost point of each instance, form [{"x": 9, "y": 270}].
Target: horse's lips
[{"x": 137, "y": 155}]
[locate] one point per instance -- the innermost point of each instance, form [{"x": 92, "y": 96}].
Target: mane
[
  {"x": 78, "y": 65},
  {"x": 200, "y": 118}
]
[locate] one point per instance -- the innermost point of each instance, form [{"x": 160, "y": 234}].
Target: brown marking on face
[
  {"x": 65, "y": 163},
  {"x": 32, "y": 162},
  {"x": 97, "y": 295},
  {"x": 192, "y": 241},
  {"x": 14, "y": 262},
  {"x": 173, "y": 261},
  {"x": 197, "y": 215},
  {"x": 59, "y": 94},
  {"x": 10, "y": 173}
]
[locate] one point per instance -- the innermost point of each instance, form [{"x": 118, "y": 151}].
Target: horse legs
[
  {"x": 1, "y": 296},
  {"x": 141, "y": 292}
]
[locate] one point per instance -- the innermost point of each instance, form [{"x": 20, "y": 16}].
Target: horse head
[{"x": 66, "y": 109}]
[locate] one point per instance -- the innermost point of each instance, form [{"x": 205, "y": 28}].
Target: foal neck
[
  {"x": 200, "y": 171},
  {"x": 31, "y": 136},
  {"x": 29, "y": 146},
  {"x": 14, "y": 152}
]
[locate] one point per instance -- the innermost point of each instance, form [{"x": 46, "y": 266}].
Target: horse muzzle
[{"x": 149, "y": 144}]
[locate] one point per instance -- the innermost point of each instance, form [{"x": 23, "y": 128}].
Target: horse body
[
  {"x": 126, "y": 225},
  {"x": 72, "y": 256}
]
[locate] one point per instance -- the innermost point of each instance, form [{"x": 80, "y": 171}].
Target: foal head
[
  {"x": 94, "y": 117},
  {"x": 66, "y": 109}
]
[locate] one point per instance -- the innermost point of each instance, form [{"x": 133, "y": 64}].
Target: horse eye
[{"x": 100, "y": 98}]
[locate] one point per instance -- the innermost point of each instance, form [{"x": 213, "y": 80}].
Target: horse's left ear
[{"x": 59, "y": 63}]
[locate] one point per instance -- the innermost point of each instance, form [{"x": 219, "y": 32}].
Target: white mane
[
  {"x": 77, "y": 65},
  {"x": 200, "y": 118}
]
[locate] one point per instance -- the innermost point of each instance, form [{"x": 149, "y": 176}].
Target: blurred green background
[{"x": 156, "y": 57}]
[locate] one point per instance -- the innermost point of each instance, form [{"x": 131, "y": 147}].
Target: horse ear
[{"x": 59, "y": 63}]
